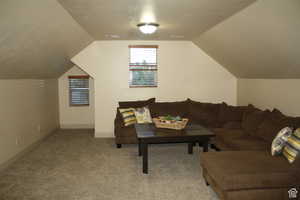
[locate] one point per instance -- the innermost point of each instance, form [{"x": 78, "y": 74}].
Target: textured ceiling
[
  {"x": 37, "y": 39},
  {"x": 261, "y": 41},
  {"x": 177, "y": 18},
  {"x": 252, "y": 39}
]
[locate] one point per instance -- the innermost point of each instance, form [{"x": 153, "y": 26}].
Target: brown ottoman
[{"x": 249, "y": 175}]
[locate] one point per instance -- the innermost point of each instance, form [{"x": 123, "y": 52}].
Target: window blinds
[{"x": 79, "y": 90}]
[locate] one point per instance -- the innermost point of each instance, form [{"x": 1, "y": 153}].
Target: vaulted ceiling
[
  {"x": 261, "y": 41},
  {"x": 178, "y": 19},
  {"x": 251, "y": 38},
  {"x": 37, "y": 39}
]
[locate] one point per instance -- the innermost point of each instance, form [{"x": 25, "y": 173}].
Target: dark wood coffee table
[{"x": 149, "y": 134}]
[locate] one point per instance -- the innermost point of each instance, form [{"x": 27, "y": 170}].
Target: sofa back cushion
[
  {"x": 232, "y": 113},
  {"x": 273, "y": 122},
  {"x": 179, "y": 108},
  {"x": 293, "y": 122},
  {"x": 136, "y": 104},
  {"x": 204, "y": 113},
  {"x": 252, "y": 120}
]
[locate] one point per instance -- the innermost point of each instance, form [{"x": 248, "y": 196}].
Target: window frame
[
  {"x": 154, "y": 69},
  {"x": 85, "y": 77}
]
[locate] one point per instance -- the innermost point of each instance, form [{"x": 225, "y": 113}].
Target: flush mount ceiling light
[{"x": 148, "y": 28}]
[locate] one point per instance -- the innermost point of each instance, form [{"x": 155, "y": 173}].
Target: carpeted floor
[{"x": 72, "y": 165}]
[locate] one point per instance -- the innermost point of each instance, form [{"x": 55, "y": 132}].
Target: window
[
  {"x": 79, "y": 90},
  {"x": 143, "y": 66}
]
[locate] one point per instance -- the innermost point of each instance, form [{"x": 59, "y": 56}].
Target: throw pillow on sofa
[
  {"x": 292, "y": 148},
  {"x": 128, "y": 116},
  {"x": 143, "y": 115},
  {"x": 280, "y": 141}
]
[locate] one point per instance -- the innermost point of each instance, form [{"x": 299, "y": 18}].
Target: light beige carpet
[{"x": 72, "y": 165}]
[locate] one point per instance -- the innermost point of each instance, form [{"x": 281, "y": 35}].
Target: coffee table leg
[
  {"x": 140, "y": 148},
  {"x": 205, "y": 146},
  {"x": 145, "y": 157},
  {"x": 190, "y": 148}
]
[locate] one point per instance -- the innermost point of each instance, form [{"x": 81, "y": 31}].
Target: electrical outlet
[
  {"x": 17, "y": 141},
  {"x": 39, "y": 128}
]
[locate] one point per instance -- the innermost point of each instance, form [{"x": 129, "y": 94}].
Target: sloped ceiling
[
  {"x": 252, "y": 39},
  {"x": 261, "y": 41},
  {"x": 37, "y": 39},
  {"x": 178, "y": 19}
]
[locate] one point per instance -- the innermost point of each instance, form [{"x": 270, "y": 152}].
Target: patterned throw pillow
[
  {"x": 128, "y": 116},
  {"x": 292, "y": 148},
  {"x": 143, "y": 115},
  {"x": 280, "y": 141}
]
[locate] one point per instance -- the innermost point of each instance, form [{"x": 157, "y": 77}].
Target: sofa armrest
[
  {"x": 118, "y": 123},
  {"x": 118, "y": 126}
]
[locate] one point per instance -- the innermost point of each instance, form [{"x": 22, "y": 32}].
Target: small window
[
  {"x": 143, "y": 66},
  {"x": 79, "y": 90}
]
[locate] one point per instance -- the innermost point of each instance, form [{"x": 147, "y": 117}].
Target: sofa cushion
[
  {"x": 252, "y": 120},
  {"x": 136, "y": 104},
  {"x": 238, "y": 140},
  {"x": 204, "y": 113},
  {"x": 248, "y": 143},
  {"x": 249, "y": 170},
  {"x": 229, "y": 113},
  {"x": 179, "y": 108},
  {"x": 277, "y": 114},
  {"x": 269, "y": 128},
  {"x": 224, "y": 134},
  {"x": 293, "y": 122},
  {"x": 273, "y": 122},
  {"x": 232, "y": 125}
]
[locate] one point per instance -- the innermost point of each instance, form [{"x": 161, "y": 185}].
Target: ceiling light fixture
[{"x": 148, "y": 28}]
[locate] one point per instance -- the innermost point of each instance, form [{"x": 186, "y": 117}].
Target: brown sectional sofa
[
  {"x": 244, "y": 167},
  {"x": 208, "y": 114}
]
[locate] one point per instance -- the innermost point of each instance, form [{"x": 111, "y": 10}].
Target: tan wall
[
  {"x": 76, "y": 116},
  {"x": 282, "y": 94},
  {"x": 28, "y": 112},
  {"x": 184, "y": 71}
]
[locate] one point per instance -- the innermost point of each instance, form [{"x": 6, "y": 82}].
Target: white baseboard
[
  {"x": 77, "y": 126},
  {"x": 104, "y": 135},
  {"x": 7, "y": 163}
]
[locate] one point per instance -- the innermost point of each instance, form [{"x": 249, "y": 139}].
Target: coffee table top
[{"x": 150, "y": 131}]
